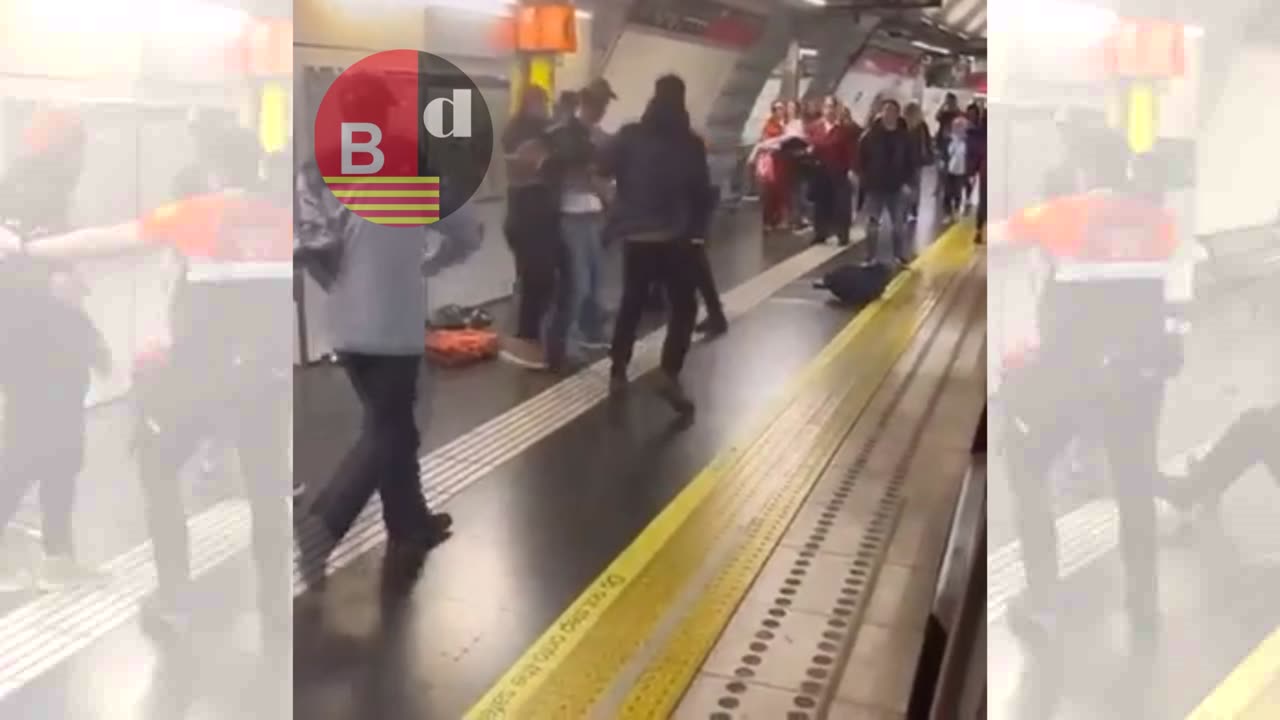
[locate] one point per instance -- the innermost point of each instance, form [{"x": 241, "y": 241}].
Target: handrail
[{"x": 945, "y": 671}]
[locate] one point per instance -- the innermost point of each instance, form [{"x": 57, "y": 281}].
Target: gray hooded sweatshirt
[{"x": 377, "y": 274}]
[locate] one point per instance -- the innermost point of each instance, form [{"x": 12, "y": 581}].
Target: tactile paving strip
[{"x": 794, "y": 623}]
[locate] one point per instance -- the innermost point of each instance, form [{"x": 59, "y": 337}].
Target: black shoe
[
  {"x": 904, "y": 261},
  {"x": 845, "y": 242},
  {"x": 618, "y": 382},
  {"x": 316, "y": 542},
  {"x": 437, "y": 528},
  {"x": 713, "y": 326},
  {"x": 670, "y": 390}
]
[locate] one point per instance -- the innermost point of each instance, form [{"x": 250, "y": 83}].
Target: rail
[{"x": 950, "y": 679}]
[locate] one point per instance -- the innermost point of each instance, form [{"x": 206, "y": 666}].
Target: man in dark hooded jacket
[{"x": 661, "y": 213}]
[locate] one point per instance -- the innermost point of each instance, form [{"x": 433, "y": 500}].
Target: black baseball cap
[{"x": 601, "y": 89}]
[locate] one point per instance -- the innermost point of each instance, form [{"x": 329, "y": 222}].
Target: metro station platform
[
  {"x": 775, "y": 556},
  {"x": 1219, "y": 655},
  {"x": 610, "y": 563}
]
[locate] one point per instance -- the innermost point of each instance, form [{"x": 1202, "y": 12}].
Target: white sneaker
[{"x": 62, "y": 572}]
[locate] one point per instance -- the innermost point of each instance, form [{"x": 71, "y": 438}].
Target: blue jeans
[
  {"x": 579, "y": 306},
  {"x": 895, "y": 203}
]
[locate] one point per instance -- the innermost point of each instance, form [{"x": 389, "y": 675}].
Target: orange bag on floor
[{"x": 455, "y": 348}]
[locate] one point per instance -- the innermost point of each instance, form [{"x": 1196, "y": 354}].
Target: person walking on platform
[
  {"x": 532, "y": 227},
  {"x": 378, "y": 312},
  {"x": 1104, "y": 356},
  {"x": 888, "y": 168},
  {"x": 221, "y": 372},
  {"x": 661, "y": 213},
  {"x": 51, "y": 347},
  {"x": 577, "y": 321}
]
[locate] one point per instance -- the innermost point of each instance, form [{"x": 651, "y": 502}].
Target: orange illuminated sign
[
  {"x": 546, "y": 28},
  {"x": 1146, "y": 48},
  {"x": 264, "y": 47}
]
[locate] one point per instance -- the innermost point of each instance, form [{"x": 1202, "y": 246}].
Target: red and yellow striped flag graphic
[{"x": 389, "y": 200}]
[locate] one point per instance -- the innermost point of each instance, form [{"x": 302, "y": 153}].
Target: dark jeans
[
  {"x": 953, "y": 189},
  {"x": 385, "y": 457},
  {"x": 982, "y": 201},
  {"x": 199, "y": 394},
  {"x": 43, "y": 442},
  {"x": 706, "y": 284},
  {"x": 533, "y": 234},
  {"x": 673, "y": 266},
  {"x": 832, "y": 207},
  {"x": 1250, "y": 441},
  {"x": 1050, "y": 412},
  {"x": 896, "y": 203}
]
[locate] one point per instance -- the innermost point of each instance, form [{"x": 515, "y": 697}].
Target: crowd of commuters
[{"x": 817, "y": 167}]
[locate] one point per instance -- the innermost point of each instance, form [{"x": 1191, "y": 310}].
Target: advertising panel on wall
[
  {"x": 878, "y": 74},
  {"x": 641, "y": 56},
  {"x": 705, "y": 21}
]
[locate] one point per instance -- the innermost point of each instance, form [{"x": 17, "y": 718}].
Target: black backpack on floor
[{"x": 857, "y": 284}]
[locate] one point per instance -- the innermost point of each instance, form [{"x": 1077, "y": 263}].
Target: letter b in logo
[
  {"x": 369, "y": 147},
  {"x": 403, "y": 138}
]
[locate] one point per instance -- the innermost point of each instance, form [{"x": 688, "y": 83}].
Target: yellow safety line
[
  {"x": 548, "y": 656},
  {"x": 668, "y": 674},
  {"x": 1245, "y": 685}
]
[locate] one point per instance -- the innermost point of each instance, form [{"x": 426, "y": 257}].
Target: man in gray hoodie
[{"x": 376, "y": 282}]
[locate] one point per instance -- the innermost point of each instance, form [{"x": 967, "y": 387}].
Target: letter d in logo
[{"x": 403, "y": 138}]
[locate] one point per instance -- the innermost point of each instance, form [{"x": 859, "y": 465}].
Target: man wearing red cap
[
  {"x": 51, "y": 345},
  {"x": 223, "y": 372}
]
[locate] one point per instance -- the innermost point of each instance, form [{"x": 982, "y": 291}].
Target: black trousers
[
  {"x": 1043, "y": 413},
  {"x": 201, "y": 394},
  {"x": 706, "y": 284},
  {"x": 953, "y": 192},
  {"x": 384, "y": 459},
  {"x": 832, "y": 206},
  {"x": 982, "y": 201},
  {"x": 1249, "y": 441},
  {"x": 674, "y": 267},
  {"x": 43, "y": 442},
  {"x": 533, "y": 233}
]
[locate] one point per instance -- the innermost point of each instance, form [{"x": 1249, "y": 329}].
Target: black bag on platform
[{"x": 857, "y": 284}]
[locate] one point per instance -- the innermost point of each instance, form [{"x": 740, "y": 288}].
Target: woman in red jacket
[
  {"x": 832, "y": 186},
  {"x": 772, "y": 172}
]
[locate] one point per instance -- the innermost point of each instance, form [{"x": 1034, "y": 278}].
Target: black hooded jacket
[{"x": 664, "y": 188}]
